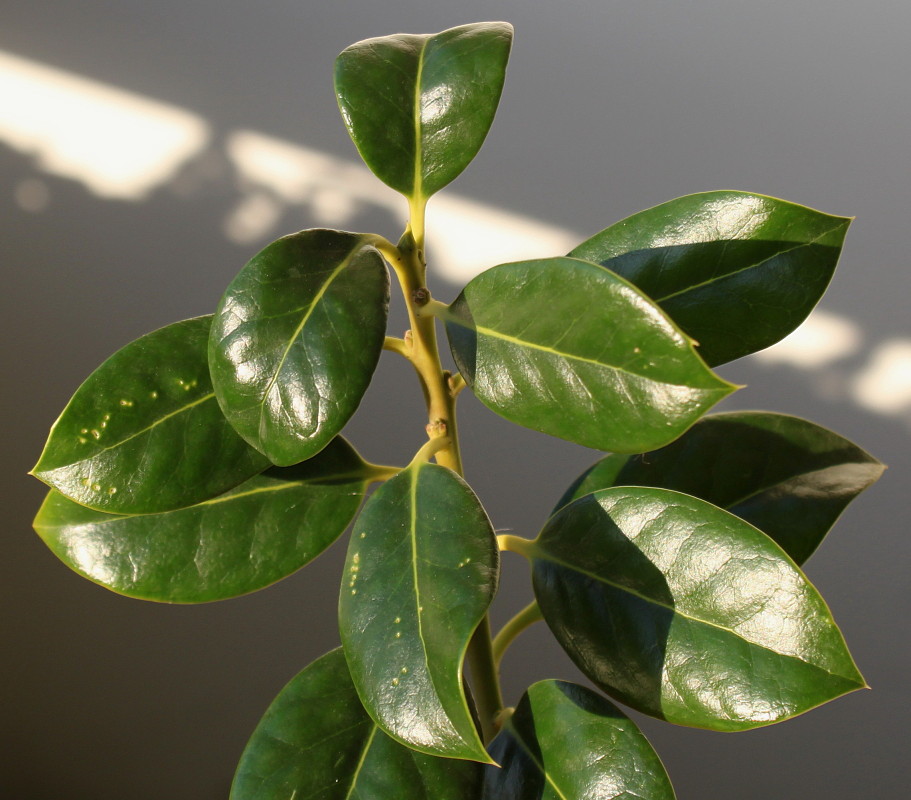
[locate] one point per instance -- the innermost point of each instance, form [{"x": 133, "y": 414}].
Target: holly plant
[{"x": 206, "y": 460}]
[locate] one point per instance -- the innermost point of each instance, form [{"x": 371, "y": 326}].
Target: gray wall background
[{"x": 609, "y": 107}]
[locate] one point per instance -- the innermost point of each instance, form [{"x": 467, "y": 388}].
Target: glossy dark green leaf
[
  {"x": 789, "y": 477},
  {"x": 316, "y": 740},
  {"x": 418, "y": 107},
  {"x": 241, "y": 541},
  {"x": 422, "y": 569},
  {"x": 566, "y": 347},
  {"x": 736, "y": 271},
  {"x": 686, "y": 612},
  {"x": 565, "y": 741},
  {"x": 296, "y": 339},
  {"x": 144, "y": 432}
]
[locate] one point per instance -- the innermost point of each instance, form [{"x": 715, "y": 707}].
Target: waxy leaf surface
[
  {"x": 686, "y": 612},
  {"x": 788, "y": 477},
  {"x": 418, "y": 107},
  {"x": 316, "y": 740},
  {"x": 239, "y": 542},
  {"x": 566, "y": 742},
  {"x": 296, "y": 339},
  {"x": 736, "y": 271},
  {"x": 144, "y": 432},
  {"x": 566, "y": 347},
  {"x": 422, "y": 569}
]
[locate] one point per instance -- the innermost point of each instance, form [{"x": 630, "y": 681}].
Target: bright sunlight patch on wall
[
  {"x": 884, "y": 384},
  {"x": 823, "y": 339},
  {"x": 464, "y": 237},
  {"x": 119, "y": 144}
]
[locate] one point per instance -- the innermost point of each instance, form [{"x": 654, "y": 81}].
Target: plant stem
[
  {"x": 525, "y": 618},
  {"x": 407, "y": 260},
  {"x": 485, "y": 679}
]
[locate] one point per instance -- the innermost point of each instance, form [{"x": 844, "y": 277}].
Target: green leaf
[
  {"x": 240, "y": 542},
  {"x": 418, "y": 107},
  {"x": 422, "y": 569},
  {"x": 736, "y": 271},
  {"x": 566, "y": 347},
  {"x": 686, "y": 612},
  {"x": 144, "y": 432},
  {"x": 565, "y": 741},
  {"x": 296, "y": 339},
  {"x": 316, "y": 740},
  {"x": 788, "y": 477}
]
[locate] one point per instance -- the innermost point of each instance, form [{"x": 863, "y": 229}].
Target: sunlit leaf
[
  {"x": 789, "y": 477},
  {"x": 144, "y": 432},
  {"x": 566, "y": 347},
  {"x": 418, "y": 107},
  {"x": 736, "y": 271},
  {"x": 241, "y": 541},
  {"x": 686, "y": 612},
  {"x": 421, "y": 571},
  {"x": 565, "y": 741},
  {"x": 296, "y": 339},
  {"x": 316, "y": 740}
]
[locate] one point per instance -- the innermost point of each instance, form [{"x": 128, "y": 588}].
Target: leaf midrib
[
  {"x": 417, "y": 179},
  {"x": 98, "y": 452},
  {"x": 112, "y": 518},
  {"x": 517, "y": 737},
  {"x": 482, "y": 329},
  {"x": 300, "y": 327},
  {"x": 361, "y": 761},
  {"x": 758, "y": 264}
]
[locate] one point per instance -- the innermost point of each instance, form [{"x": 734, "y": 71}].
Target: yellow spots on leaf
[
  {"x": 353, "y": 570},
  {"x": 96, "y": 433},
  {"x": 398, "y": 634},
  {"x": 126, "y": 403},
  {"x": 363, "y": 535},
  {"x": 153, "y": 395},
  {"x": 112, "y": 490},
  {"x": 84, "y": 430},
  {"x": 395, "y": 681},
  {"x": 96, "y": 487}
]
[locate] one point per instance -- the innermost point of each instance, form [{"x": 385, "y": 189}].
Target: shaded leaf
[
  {"x": 565, "y": 347},
  {"x": 789, "y": 477},
  {"x": 239, "y": 542},
  {"x": 418, "y": 107},
  {"x": 685, "y": 612},
  {"x": 736, "y": 271},
  {"x": 316, "y": 740},
  {"x": 421, "y": 571},
  {"x": 565, "y": 741},
  {"x": 296, "y": 339},
  {"x": 144, "y": 433}
]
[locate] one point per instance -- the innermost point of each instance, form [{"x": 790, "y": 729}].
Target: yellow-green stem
[
  {"x": 525, "y": 618},
  {"x": 407, "y": 260}
]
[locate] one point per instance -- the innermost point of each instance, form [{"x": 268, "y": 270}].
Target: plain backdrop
[{"x": 610, "y": 107}]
